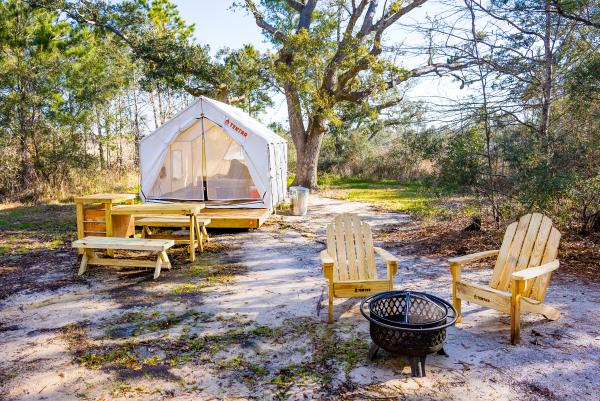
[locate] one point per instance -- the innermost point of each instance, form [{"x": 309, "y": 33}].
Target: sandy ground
[{"x": 255, "y": 329}]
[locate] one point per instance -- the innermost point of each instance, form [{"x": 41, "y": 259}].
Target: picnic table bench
[
  {"x": 189, "y": 211},
  {"x": 174, "y": 222},
  {"x": 88, "y": 244}
]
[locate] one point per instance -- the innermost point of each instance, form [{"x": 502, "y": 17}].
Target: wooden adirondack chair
[
  {"x": 521, "y": 275},
  {"x": 349, "y": 260}
]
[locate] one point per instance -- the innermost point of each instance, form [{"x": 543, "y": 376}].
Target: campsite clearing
[{"x": 247, "y": 320}]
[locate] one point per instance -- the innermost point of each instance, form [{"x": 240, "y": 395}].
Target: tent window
[
  {"x": 177, "y": 163},
  {"x": 227, "y": 174},
  {"x": 180, "y": 176}
]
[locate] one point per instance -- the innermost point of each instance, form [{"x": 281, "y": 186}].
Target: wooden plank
[
  {"x": 369, "y": 251},
  {"x": 350, "y": 248},
  {"x": 340, "y": 245},
  {"x": 199, "y": 237},
  {"x": 503, "y": 254},
  {"x": 234, "y": 212},
  {"x": 94, "y": 226},
  {"x": 515, "y": 251},
  {"x": 361, "y": 256},
  {"x": 533, "y": 272},
  {"x": 104, "y": 198},
  {"x": 157, "y": 267},
  {"x": 235, "y": 218},
  {"x": 461, "y": 260},
  {"x": 540, "y": 285},
  {"x": 158, "y": 208},
  {"x": 139, "y": 244},
  {"x": 455, "y": 270},
  {"x": 108, "y": 224},
  {"x": 94, "y": 233},
  {"x": 192, "y": 248},
  {"x": 540, "y": 242},
  {"x": 80, "y": 219},
  {"x": 84, "y": 263},
  {"x": 95, "y": 213},
  {"x": 515, "y": 312},
  {"x": 123, "y": 226},
  {"x": 122, "y": 262},
  {"x": 236, "y": 223},
  {"x": 484, "y": 296},
  {"x": 359, "y": 288},
  {"x": 331, "y": 249},
  {"x": 529, "y": 241},
  {"x": 532, "y": 306},
  {"x": 171, "y": 221}
]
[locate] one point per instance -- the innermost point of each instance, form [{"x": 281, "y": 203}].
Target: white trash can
[{"x": 299, "y": 198}]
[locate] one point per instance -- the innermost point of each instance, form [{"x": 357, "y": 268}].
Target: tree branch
[
  {"x": 261, "y": 22},
  {"x": 296, "y": 5},
  {"x": 572, "y": 17}
]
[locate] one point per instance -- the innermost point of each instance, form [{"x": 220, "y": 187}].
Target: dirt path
[{"x": 244, "y": 323}]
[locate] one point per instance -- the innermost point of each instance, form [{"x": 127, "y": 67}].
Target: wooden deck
[{"x": 235, "y": 218}]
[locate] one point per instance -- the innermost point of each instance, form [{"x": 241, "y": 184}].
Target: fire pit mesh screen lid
[{"x": 409, "y": 308}]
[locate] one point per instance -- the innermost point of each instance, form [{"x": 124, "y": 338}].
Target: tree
[
  {"x": 248, "y": 77},
  {"x": 31, "y": 46},
  {"x": 331, "y": 53},
  {"x": 158, "y": 38}
]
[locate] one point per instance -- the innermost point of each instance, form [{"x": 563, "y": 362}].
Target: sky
[{"x": 218, "y": 25}]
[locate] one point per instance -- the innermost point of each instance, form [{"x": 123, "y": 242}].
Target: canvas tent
[{"x": 212, "y": 151}]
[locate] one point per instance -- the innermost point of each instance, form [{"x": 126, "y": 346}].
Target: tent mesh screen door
[
  {"x": 181, "y": 174},
  {"x": 227, "y": 175}
]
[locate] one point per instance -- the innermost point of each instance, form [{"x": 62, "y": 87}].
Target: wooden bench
[
  {"x": 88, "y": 244},
  {"x": 174, "y": 222}
]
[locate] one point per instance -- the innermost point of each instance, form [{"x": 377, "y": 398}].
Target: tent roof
[{"x": 188, "y": 116}]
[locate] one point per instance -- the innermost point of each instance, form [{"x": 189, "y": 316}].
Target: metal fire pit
[{"x": 408, "y": 323}]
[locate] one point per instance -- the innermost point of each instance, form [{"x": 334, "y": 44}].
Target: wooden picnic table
[
  {"x": 186, "y": 209},
  {"x": 94, "y": 218}
]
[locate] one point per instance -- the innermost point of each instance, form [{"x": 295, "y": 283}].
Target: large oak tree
[{"x": 331, "y": 52}]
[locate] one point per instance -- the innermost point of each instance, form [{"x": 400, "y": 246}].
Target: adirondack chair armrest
[
  {"x": 462, "y": 260},
  {"x": 390, "y": 260},
  {"x": 327, "y": 262},
  {"x": 533, "y": 272}
]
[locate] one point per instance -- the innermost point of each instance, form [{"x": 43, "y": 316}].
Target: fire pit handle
[{"x": 438, "y": 300}]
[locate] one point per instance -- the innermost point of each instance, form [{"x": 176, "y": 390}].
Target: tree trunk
[
  {"x": 307, "y": 161},
  {"x": 548, "y": 71},
  {"x": 306, "y": 142},
  {"x": 27, "y": 170}
]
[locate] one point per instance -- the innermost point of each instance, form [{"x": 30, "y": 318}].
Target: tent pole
[{"x": 204, "y": 177}]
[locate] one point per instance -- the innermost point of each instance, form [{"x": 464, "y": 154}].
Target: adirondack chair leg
[
  {"x": 515, "y": 311},
  {"x": 84, "y": 262},
  {"x": 205, "y": 233},
  {"x": 455, "y": 269}
]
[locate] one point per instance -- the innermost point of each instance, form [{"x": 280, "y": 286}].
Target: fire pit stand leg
[
  {"x": 373, "y": 351},
  {"x": 417, "y": 366}
]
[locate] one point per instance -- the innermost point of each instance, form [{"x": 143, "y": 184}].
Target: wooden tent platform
[{"x": 235, "y": 218}]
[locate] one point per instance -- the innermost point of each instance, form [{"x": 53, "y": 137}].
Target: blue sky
[{"x": 219, "y": 26}]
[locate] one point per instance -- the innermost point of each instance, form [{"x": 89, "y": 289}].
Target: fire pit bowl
[{"x": 408, "y": 323}]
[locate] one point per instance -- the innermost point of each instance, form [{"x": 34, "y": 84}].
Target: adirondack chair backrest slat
[
  {"x": 540, "y": 285},
  {"x": 350, "y": 243},
  {"x": 530, "y": 242}
]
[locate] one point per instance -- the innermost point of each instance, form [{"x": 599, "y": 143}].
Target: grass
[{"x": 412, "y": 197}]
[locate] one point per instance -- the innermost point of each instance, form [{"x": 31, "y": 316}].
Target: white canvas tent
[{"x": 212, "y": 151}]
